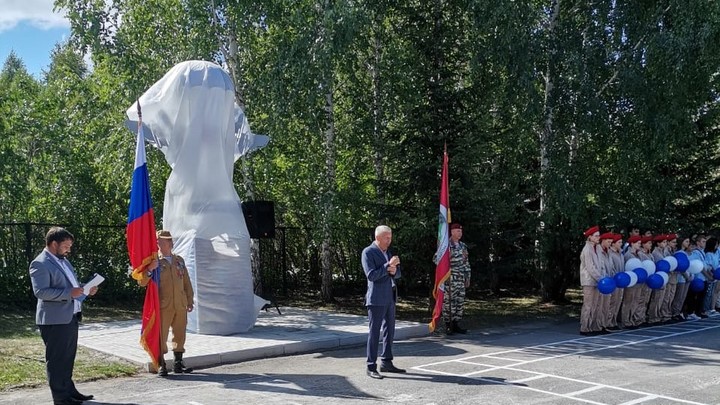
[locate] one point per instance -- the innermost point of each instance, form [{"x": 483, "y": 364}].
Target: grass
[
  {"x": 23, "y": 351},
  {"x": 484, "y": 310}
]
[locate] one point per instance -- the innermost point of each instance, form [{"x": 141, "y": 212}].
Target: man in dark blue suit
[
  {"x": 59, "y": 295},
  {"x": 382, "y": 269}
]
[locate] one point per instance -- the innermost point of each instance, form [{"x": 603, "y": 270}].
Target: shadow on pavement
[
  {"x": 399, "y": 349},
  {"x": 318, "y": 385}
]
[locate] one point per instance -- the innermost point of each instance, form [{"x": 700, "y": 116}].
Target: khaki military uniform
[
  {"x": 657, "y": 297},
  {"x": 590, "y": 274},
  {"x": 666, "y": 312},
  {"x": 176, "y": 295},
  {"x": 631, "y": 298},
  {"x": 643, "y": 297},
  {"x": 618, "y": 265},
  {"x": 454, "y": 297},
  {"x": 603, "y": 311}
]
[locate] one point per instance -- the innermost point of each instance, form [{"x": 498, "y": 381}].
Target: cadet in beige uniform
[
  {"x": 590, "y": 273},
  {"x": 176, "y": 300},
  {"x": 631, "y": 295},
  {"x": 618, "y": 265},
  {"x": 643, "y": 298},
  {"x": 683, "y": 285},
  {"x": 657, "y": 297},
  {"x": 671, "y": 287},
  {"x": 606, "y": 267}
]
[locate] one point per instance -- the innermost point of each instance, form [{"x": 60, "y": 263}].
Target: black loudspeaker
[{"x": 259, "y": 218}]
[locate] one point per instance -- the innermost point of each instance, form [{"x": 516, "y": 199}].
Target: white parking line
[{"x": 499, "y": 355}]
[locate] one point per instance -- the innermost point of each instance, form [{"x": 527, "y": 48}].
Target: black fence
[{"x": 290, "y": 263}]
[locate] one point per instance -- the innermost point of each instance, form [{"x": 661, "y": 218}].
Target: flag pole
[{"x": 442, "y": 258}]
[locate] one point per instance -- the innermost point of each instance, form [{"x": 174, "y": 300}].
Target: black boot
[
  {"x": 179, "y": 367},
  {"x": 162, "y": 371},
  {"x": 448, "y": 329},
  {"x": 457, "y": 328}
]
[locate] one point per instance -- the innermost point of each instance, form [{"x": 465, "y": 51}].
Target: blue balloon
[
  {"x": 683, "y": 261},
  {"x": 697, "y": 285},
  {"x": 606, "y": 285},
  {"x": 655, "y": 281},
  {"x": 642, "y": 274},
  {"x": 662, "y": 265},
  {"x": 716, "y": 273},
  {"x": 622, "y": 279}
]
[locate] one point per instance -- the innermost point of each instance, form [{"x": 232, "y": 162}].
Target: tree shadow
[
  {"x": 326, "y": 385},
  {"x": 406, "y": 347}
]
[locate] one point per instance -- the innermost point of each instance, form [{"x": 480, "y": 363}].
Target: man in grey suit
[
  {"x": 59, "y": 296},
  {"x": 381, "y": 268}
]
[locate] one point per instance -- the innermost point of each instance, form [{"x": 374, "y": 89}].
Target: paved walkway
[{"x": 295, "y": 331}]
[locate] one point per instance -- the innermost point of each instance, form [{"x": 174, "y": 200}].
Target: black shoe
[
  {"x": 613, "y": 329},
  {"x": 449, "y": 329},
  {"x": 81, "y": 397},
  {"x": 390, "y": 368},
  {"x": 179, "y": 366},
  {"x": 374, "y": 374},
  {"x": 456, "y": 328},
  {"x": 162, "y": 371},
  {"x": 68, "y": 401},
  {"x": 631, "y": 327},
  {"x": 703, "y": 316}
]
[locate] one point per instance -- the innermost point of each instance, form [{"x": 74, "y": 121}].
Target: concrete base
[{"x": 295, "y": 331}]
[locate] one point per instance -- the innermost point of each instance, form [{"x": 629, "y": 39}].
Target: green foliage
[{"x": 621, "y": 96}]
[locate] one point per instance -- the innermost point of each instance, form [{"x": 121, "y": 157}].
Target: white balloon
[
  {"x": 673, "y": 262},
  {"x": 696, "y": 266},
  {"x": 633, "y": 278},
  {"x": 664, "y": 276},
  {"x": 649, "y": 266},
  {"x": 632, "y": 264}
]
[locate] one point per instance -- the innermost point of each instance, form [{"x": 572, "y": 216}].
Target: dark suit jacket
[
  {"x": 55, "y": 305},
  {"x": 379, "y": 291}
]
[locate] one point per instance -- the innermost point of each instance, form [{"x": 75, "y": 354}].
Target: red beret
[
  {"x": 659, "y": 238},
  {"x": 455, "y": 226},
  {"x": 607, "y": 235},
  {"x": 646, "y": 239},
  {"x": 672, "y": 236},
  {"x": 617, "y": 237},
  {"x": 633, "y": 239},
  {"x": 591, "y": 231}
]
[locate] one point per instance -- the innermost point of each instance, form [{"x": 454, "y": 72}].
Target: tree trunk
[
  {"x": 329, "y": 197},
  {"x": 378, "y": 125},
  {"x": 546, "y": 139},
  {"x": 229, "y": 48}
]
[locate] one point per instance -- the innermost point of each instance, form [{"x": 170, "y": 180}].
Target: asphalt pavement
[{"x": 535, "y": 363}]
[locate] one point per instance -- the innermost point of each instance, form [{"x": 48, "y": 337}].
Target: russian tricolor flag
[{"x": 142, "y": 248}]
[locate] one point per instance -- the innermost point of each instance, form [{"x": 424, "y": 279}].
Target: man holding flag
[
  {"x": 143, "y": 248},
  {"x": 454, "y": 297}
]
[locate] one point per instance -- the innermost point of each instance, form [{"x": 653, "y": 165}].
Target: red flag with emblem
[{"x": 442, "y": 255}]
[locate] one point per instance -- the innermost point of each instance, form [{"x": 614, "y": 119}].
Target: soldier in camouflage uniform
[{"x": 454, "y": 298}]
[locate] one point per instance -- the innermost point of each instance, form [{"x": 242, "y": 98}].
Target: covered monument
[{"x": 191, "y": 116}]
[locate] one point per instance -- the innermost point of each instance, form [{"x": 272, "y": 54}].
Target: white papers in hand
[{"x": 94, "y": 282}]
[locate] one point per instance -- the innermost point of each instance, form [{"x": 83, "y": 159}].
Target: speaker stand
[{"x": 270, "y": 305}]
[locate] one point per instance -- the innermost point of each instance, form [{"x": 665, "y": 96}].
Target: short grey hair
[{"x": 381, "y": 229}]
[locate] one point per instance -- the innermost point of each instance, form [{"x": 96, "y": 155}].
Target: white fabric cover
[{"x": 190, "y": 115}]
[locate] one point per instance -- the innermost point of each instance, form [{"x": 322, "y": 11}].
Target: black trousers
[{"x": 60, "y": 349}]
